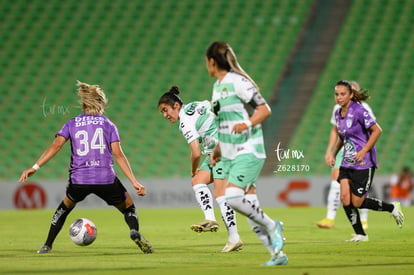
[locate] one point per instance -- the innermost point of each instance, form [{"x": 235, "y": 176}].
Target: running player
[
  {"x": 241, "y": 145},
  {"x": 94, "y": 139},
  {"x": 199, "y": 128},
  {"x": 333, "y": 200},
  {"x": 358, "y": 132}
]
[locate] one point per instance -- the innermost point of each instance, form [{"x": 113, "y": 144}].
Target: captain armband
[{"x": 257, "y": 100}]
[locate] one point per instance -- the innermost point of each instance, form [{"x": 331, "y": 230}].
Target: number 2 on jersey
[{"x": 97, "y": 142}]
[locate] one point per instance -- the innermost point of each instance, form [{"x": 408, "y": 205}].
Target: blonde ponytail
[
  {"x": 92, "y": 98},
  {"x": 235, "y": 66}
]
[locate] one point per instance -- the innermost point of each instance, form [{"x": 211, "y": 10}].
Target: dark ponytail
[
  {"x": 171, "y": 97},
  {"x": 359, "y": 95}
]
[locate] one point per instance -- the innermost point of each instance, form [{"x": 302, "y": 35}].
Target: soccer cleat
[
  {"x": 277, "y": 259},
  {"x": 205, "y": 226},
  {"x": 44, "y": 249},
  {"x": 398, "y": 214},
  {"x": 229, "y": 247},
  {"x": 143, "y": 244},
  {"x": 325, "y": 223},
  {"x": 364, "y": 225},
  {"x": 277, "y": 238},
  {"x": 358, "y": 238}
]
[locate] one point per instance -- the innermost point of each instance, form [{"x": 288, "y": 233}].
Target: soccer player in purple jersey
[
  {"x": 94, "y": 140},
  {"x": 333, "y": 199},
  {"x": 358, "y": 132}
]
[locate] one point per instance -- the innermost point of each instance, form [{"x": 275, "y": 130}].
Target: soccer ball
[{"x": 82, "y": 232}]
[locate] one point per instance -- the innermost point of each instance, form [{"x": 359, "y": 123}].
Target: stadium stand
[
  {"x": 376, "y": 52},
  {"x": 135, "y": 50}
]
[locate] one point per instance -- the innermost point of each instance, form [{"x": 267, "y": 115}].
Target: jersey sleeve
[
  {"x": 245, "y": 90},
  {"x": 188, "y": 130},
  {"x": 248, "y": 93},
  {"x": 366, "y": 106},
  {"x": 367, "y": 119},
  {"x": 114, "y": 134},
  {"x": 64, "y": 131}
]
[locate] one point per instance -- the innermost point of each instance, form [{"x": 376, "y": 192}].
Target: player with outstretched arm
[
  {"x": 94, "y": 140},
  {"x": 198, "y": 126}
]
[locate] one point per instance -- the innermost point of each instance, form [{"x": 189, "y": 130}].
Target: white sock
[
  {"x": 334, "y": 200},
  {"x": 257, "y": 229},
  {"x": 205, "y": 200},
  {"x": 229, "y": 218},
  {"x": 236, "y": 199},
  {"x": 363, "y": 214}
]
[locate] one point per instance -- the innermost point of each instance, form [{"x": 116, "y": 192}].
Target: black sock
[
  {"x": 377, "y": 205},
  {"x": 353, "y": 216},
  {"x": 58, "y": 220},
  {"x": 131, "y": 218}
]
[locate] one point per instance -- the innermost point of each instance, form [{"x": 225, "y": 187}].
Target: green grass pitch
[{"x": 178, "y": 250}]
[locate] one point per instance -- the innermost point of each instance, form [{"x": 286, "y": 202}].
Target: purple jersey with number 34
[
  {"x": 91, "y": 137},
  {"x": 354, "y": 133}
]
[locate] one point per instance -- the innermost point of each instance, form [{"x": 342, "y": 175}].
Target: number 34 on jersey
[{"x": 87, "y": 143}]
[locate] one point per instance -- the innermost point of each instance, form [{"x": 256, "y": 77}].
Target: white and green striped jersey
[
  {"x": 229, "y": 98},
  {"x": 198, "y": 122}
]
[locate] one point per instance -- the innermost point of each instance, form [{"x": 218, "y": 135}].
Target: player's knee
[
  {"x": 197, "y": 179},
  {"x": 357, "y": 202},
  {"x": 219, "y": 188},
  {"x": 345, "y": 199},
  {"x": 194, "y": 180}
]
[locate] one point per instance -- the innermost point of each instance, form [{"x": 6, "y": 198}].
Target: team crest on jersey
[
  {"x": 349, "y": 123},
  {"x": 191, "y": 109}
]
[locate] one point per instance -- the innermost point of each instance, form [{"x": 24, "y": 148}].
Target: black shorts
[
  {"x": 112, "y": 194},
  {"x": 361, "y": 180}
]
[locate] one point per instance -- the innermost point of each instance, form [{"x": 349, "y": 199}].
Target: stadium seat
[
  {"x": 135, "y": 50},
  {"x": 376, "y": 52}
]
